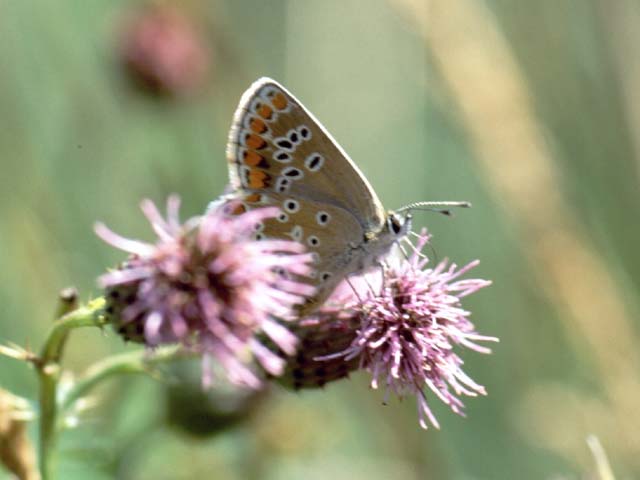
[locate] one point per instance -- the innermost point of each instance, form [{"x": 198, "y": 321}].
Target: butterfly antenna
[{"x": 438, "y": 207}]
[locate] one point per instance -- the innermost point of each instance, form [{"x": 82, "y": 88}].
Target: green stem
[
  {"x": 90, "y": 315},
  {"x": 48, "y": 366},
  {"x": 136, "y": 362}
]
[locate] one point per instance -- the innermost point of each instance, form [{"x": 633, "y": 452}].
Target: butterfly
[{"x": 279, "y": 154}]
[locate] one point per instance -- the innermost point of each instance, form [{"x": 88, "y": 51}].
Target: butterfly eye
[{"x": 395, "y": 225}]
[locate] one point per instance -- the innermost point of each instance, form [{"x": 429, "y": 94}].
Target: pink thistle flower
[
  {"x": 208, "y": 285},
  {"x": 164, "y": 52},
  {"x": 408, "y": 329}
]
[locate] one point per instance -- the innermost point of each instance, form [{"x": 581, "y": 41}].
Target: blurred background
[{"x": 530, "y": 110}]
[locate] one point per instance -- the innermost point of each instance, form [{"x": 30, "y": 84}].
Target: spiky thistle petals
[
  {"x": 408, "y": 330},
  {"x": 209, "y": 286}
]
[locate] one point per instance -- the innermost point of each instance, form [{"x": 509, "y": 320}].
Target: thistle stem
[
  {"x": 136, "y": 362},
  {"x": 48, "y": 368}
]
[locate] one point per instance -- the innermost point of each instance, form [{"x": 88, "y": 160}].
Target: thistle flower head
[
  {"x": 409, "y": 327},
  {"x": 163, "y": 51},
  {"x": 209, "y": 286}
]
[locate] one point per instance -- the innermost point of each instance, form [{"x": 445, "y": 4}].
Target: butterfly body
[{"x": 279, "y": 154}]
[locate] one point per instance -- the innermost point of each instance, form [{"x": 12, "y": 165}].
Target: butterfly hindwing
[{"x": 328, "y": 232}]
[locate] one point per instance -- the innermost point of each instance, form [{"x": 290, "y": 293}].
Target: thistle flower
[
  {"x": 208, "y": 285},
  {"x": 163, "y": 51},
  {"x": 409, "y": 327}
]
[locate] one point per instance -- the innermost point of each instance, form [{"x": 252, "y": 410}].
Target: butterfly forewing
[
  {"x": 275, "y": 144},
  {"x": 280, "y": 155}
]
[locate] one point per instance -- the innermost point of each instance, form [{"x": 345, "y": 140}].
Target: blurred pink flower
[
  {"x": 408, "y": 327},
  {"x": 209, "y": 286},
  {"x": 162, "y": 49}
]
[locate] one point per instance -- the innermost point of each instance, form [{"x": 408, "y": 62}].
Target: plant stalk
[{"x": 48, "y": 368}]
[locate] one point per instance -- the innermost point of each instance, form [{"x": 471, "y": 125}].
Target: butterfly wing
[
  {"x": 329, "y": 233},
  {"x": 279, "y": 154},
  {"x": 276, "y": 145}
]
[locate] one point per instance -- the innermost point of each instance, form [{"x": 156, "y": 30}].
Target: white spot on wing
[
  {"x": 281, "y": 156},
  {"x": 294, "y": 137},
  {"x": 322, "y": 218},
  {"x": 291, "y": 205},
  {"x": 293, "y": 173},
  {"x": 285, "y": 144},
  {"x": 244, "y": 175},
  {"x": 282, "y": 184},
  {"x": 314, "y": 162},
  {"x": 283, "y": 218},
  {"x": 305, "y": 132},
  {"x": 296, "y": 233}
]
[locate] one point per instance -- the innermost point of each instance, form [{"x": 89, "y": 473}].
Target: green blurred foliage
[{"x": 80, "y": 143}]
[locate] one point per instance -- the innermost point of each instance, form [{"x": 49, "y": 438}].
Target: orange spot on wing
[
  {"x": 257, "y": 125},
  {"x": 258, "y": 179},
  {"x": 238, "y": 209},
  {"x": 255, "y": 141},
  {"x": 279, "y": 101},
  {"x": 254, "y": 159},
  {"x": 253, "y": 198},
  {"x": 265, "y": 111}
]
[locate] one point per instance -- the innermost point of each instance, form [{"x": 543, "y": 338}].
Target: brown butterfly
[{"x": 279, "y": 154}]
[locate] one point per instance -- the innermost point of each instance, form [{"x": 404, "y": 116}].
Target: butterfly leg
[
  {"x": 383, "y": 274},
  {"x": 366, "y": 280},
  {"x": 355, "y": 291}
]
